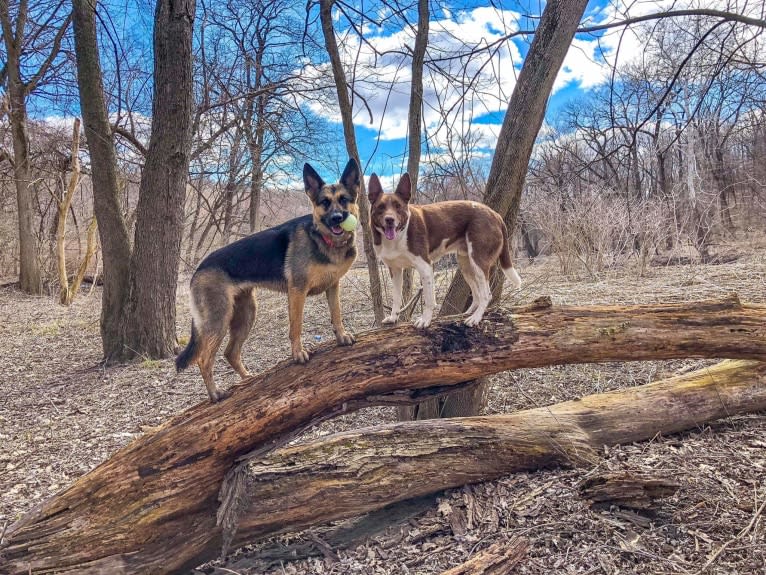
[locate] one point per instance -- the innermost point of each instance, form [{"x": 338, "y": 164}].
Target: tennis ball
[{"x": 349, "y": 224}]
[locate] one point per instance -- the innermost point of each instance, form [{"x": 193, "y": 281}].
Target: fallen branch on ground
[{"x": 497, "y": 559}]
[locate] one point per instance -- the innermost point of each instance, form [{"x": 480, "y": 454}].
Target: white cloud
[{"x": 383, "y": 70}]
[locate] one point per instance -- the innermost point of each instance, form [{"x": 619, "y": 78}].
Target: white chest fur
[{"x": 395, "y": 253}]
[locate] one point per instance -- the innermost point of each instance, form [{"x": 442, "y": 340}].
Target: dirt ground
[{"x": 61, "y": 414}]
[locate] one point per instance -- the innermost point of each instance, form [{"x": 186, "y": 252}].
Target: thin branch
[
  {"x": 32, "y": 84},
  {"x": 728, "y": 16},
  {"x": 130, "y": 137}
]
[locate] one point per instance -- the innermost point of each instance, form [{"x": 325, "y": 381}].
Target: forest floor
[{"x": 61, "y": 414}]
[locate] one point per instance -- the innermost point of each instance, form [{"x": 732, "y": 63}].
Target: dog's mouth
[
  {"x": 336, "y": 230},
  {"x": 390, "y": 231}
]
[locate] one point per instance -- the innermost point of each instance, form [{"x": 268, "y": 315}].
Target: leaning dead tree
[{"x": 152, "y": 507}]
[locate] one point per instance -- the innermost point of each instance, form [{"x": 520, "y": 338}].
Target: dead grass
[{"x": 61, "y": 415}]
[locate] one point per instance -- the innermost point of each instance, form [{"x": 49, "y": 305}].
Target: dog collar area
[{"x": 328, "y": 240}]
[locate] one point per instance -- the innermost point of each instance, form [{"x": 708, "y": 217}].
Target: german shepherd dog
[
  {"x": 304, "y": 256},
  {"x": 410, "y": 236}
]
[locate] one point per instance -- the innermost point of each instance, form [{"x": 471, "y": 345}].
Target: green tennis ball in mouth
[{"x": 350, "y": 223}]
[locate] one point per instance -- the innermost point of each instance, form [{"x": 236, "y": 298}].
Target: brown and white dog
[{"x": 410, "y": 236}]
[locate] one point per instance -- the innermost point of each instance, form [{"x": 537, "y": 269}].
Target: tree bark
[
  {"x": 415, "y": 113},
  {"x": 346, "y": 111},
  {"x": 508, "y": 172},
  {"x": 112, "y": 228},
  {"x": 148, "y": 326},
  {"x": 151, "y": 507},
  {"x": 232, "y": 181}
]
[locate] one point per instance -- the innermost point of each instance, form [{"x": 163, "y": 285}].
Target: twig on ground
[{"x": 739, "y": 536}]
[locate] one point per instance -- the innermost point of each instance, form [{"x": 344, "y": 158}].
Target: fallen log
[
  {"x": 151, "y": 508},
  {"x": 497, "y": 559},
  {"x": 626, "y": 489},
  {"x": 351, "y": 473}
]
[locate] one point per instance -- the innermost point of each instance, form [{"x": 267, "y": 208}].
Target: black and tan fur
[{"x": 304, "y": 256}]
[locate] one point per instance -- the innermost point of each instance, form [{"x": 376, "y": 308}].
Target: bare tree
[
  {"x": 68, "y": 291},
  {"x": 148, "y": 325},
  {"x": 346, "y": 109},
  {"x": 35, "y": 31},
  {"x": 113, "y": 231},
  {"x": 139, "y": 317}
]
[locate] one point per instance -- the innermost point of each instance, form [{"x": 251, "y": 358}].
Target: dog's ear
[
  {"x": 312, "y": 182},
  {"x": 350, "y": 177},
  {"x": 404, "y": 187},
  {"x": 374, "y": 189}
]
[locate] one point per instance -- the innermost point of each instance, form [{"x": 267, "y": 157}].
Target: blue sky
[
  {"x": 482, "y": 109},
  {"x": 382, "y": 143}
]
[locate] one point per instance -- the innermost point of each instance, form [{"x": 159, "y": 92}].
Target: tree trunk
[
  {"x": 635, "y": 166},
  {"x": 30, "y": 278},
  {"x": 230, "y": 189},
  {"x": 719, "y": 176},
  {"x": 65, "y": 294},
  {"x": 346, "y": 111},
  {"x": 255, "y": 139},
  {"x": 190, "y": 253},
  {"x": 112, "y": 228},
  {"x": 149, "y": 323},
  {"x": 90, "y": 251},
  {"x": 21, "y": 54},
  {"x": 508, "y": 173},
  {"x": 415, "y": 129},
  {"x": 151, "y": 507},
  {"x": 256, "y": 177}
]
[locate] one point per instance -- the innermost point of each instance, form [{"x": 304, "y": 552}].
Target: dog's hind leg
[
  {"x": 212, "y": 315},
  {"x": 206, "y": 362},
  {"x": 468, "y": 273},
  {"x": 426, "y": 272},
  {"x": 242, "y": 319},
  {"x": 483, "y": 294}
]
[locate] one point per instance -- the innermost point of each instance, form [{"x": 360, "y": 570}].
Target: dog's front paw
[
  {"x": 300, "y": 355},
  {"x": 345, "y": 338},
  {"x": 390, "y": 319},
  {"x": 217, "y": 395},
  {"x": 421, "y": 322},
  {"x": 473, "y": 319}
]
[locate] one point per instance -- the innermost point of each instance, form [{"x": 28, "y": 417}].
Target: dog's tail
[
  {"x": 507, "y": 263},
  {"x": 190, "y": 352}
]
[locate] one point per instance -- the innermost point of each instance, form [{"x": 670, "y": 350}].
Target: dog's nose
[
  {"x": 390, "y": 221},
  {"x": 336, "y": 218}
]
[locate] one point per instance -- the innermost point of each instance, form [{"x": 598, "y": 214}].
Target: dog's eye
[
  {"x": 344, "y": 202},
  {"x": 325, "y": 203}
]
